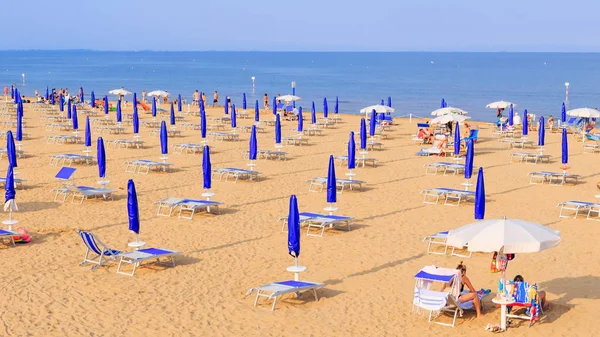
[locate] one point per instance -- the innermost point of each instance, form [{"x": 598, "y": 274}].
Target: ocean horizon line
[{"x": 299, "y": 51}]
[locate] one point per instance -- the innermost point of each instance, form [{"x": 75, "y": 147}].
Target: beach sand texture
[{"x": 368, "y": 272}]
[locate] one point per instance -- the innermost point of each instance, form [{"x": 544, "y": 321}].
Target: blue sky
[{"x": 303, "y": 25}]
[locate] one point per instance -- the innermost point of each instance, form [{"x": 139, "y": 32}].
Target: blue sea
[{"x": 416, "y": 81}]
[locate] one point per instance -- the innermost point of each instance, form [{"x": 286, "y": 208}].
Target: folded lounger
[
  {"x": 276, "y": 289},
  {"x": 97, "y": 253},
  {"x": 136, "y": 258}
]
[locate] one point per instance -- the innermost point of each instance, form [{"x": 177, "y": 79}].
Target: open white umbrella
[
  {"x": 584, "y": 112},
  {"x": 122, "y": 92},
  {"x": 448, "y": 111},
  {"x": 288, "y": 98},
  {"x": 510, "y": 236},
  {"x": 158, "y": 93},
  {"x": 449, "y": 118},
  {"x": 378, "y": 108},
  {"x": 501, "y": 105}
]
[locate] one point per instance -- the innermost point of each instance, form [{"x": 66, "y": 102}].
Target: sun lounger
[
  {"x": 59, "y": 127},
  {"x": 359, "y": 161},
  {"x": 100, "y": 253},
  {"x": 9, "y": 235},
  {"x": 126, "y": 143},
  {"x": 578, "y": 207},
  {"x": 170, "y": 132},
  {"x": 507, "y": 133},
  {"x": 268, "y": 154},
  {"x": 188, "y": 148},
  {"x": 136, "y": 258},
  {"x": 321, "y": 221},
  {"x": 295, "y": 140},
  {"x": 434, "y": 150},
  {"x": 273, "y": 291},
  {"x": 248, "y": 128},
  {"x": 63, "y": 139},
  {"x": 528, "y": 157},
  {"x": 439, "y": 239},
  {"x": 373, "y": 145},
  {"x": 521, "y": 294},
  {"x": 145, "y": 166},
  {"x": 68, "y": 159},
  {"x": 341, "y": 184},
  {"x": 445, "y": 167},
  {"x": 553, "y": 178},
  {"x": 85, "y": 192},
  {"x": 312, "y": 132},
  {"x": 18, "y": 182},
  {"x": 3, "y": 152},
  {"x": 513, "y": 143},
  {"x": 3, "y": 134},
  {"x": 230, "y": 172},
  {"x": 109, "y": 129},
  {"x": 150, "y": 124},
  {"x": 168, "y": 205},
  {"x": 225, "y": 136},
  {"x": 450, "y": 196}
]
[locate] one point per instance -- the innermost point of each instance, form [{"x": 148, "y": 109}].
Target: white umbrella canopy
[
  {"x": 158, "y": 93},
  {"x": 377, "y": 108},
  {"x": 584, "y": 112},
  {"x": 449, "y": 118},
  {"x": 501, "y": 105},
  {"x": 288, "y": 98},
  {"x": 119, "y": 92},
  {"x": 447, "y": 111},
  {"x": 510, "y": 236}
]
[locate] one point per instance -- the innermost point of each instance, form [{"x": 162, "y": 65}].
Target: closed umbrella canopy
[
  {"x": 179, "y": 102},
  {"x": 136, "y": 122},
  {"x": 584, "y": 112},
  {"x": 378, "y": 108},
  {"x": 469, "y": 158},
  {"x": 19, "y": 127},
  {"x": 274, "y": 105},
  {"x": 313, "y": 114},
  {"x": 565, "y": 148},
  {"x": 512, "y": 236},
  {"x": 372, "y": 124},
  {"x": 500, "y": 105},
  {"x": 88, "y": 132},
  {"x": 119, "y": 115},
  {"x": 206, "y": 168},
  {"x": 233, "y": 117},
  {"x": 106, "y": 105},
  {"x": 443, "y": 103},
  {"x": 81, "y": 96},
  {"x": 172, "y": 115},
  {"x": 457, "y": 139},
  {"x": 48, "y": 94},
  {"x": 331, "y": 182},
  {"x": 69, "y": 112},
  {"x": 92, "y": 99},
  {"x": 11, "y": 151},
  {"x": 164, "y": 148},
  {"x": 336, "y": 108},
  {"x": 448, "y": 111},
  {"x": 244, "y": 101},
  {"x": 480, "y": 196},
  {"x": 133, "y": 211},
  {"x": 563, "y": 113},
  {"x": 294, "y": 229},
  {"x": 61, "y": 103},
  {"x": 75, "y": 119},
  {"x": 300, "y": 120},
  {"x": 389, "y": 101},
  {"x": 351, "y": 152},
  {"x": 525, "y": 123},
  {"x": 541, "y": 132},
  {"x": 253, "y": 144},
  {"x": 203, "y": 124},
  {"x": 511, "y": 115},
  {"x": 256, "y": 112},
  {"x": 363, "y": 134},
  {"x": 277, "y": 130},
  {"x": 101, "y": 154},
  {"x": 9, "y": 190},
  {"x": 325, "y": 107}
]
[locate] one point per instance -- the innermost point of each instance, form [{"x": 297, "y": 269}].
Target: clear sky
[{"x": 302, "y": 25}]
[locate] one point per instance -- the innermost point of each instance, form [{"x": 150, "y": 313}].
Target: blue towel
[
  {"x": 155, "y": 251},
  {"x": 5, "y": 232},
  {"x": 295, "y": 284}
]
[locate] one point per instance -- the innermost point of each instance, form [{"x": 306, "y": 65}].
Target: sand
[{"x": 368, "y": 271}]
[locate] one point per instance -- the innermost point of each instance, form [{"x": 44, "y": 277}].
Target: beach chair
[
  {"x": 439, "y": 239},
  {"x": 84, "y": 192},
  {"x": 577, "y": 207},
  {"x": 96, "y": 253},
  {"x": 593, "y": 146},
  {"x": 322, "y": 221},
  {"x": 145, "y": 166},
  {"x": 272, "y": 291},
  {"x": 452, "y": 197},
  {"x": 436, "y": 149},
  {"x": 64, "y": 174},
  {"x": 341, "y": 184},
  {"x": 167, "y": 205},
  {"x": 236, "y": 173},
  {"x": 526, "y": 297},
  {"x": 553, "y": 178},
  {"x": 473, "y": 135},
  {"x": 18, "y": 182},
  {"x": 9, "y": 235},
  {"x": 136, "y": 258}
]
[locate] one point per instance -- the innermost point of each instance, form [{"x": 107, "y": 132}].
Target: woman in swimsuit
[{"x": 472, "y": 294}]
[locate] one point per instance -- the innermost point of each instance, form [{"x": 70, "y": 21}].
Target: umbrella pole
[{"x": 137, "y": 237}]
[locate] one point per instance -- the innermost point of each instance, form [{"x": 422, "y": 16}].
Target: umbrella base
[
  {"x": 296, "y": 270},
  {"x": 10, "y": 223},
  {"x": 330, "y": 209},
  {"x": 136, "y": 244}
]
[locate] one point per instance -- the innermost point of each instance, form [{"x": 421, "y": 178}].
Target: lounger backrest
[
  {"x": 89, "y": 239},
  {"x": 65, "y": 173},
  {"x": 422, "y": 125},
  {"x": 289, "y": 108}
]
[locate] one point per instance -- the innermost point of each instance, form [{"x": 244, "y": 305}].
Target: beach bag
[
  {"x": 493, "y": 268},
  {"x": 24, "y": 237}
]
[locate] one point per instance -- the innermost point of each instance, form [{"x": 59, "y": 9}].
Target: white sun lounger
[
  {"x": 360, "y": 161},
  {"x": 272, "y": 291},
  {"x": 553, "y": 178},
  {"x": 3, "y": 153},
  {"x": 59, "y": 127},
  {"x": 144, "y": 166},
  {"x": 528, "y": 157},
  {"x": 126, "y": 143},
  {"x": 188, "y": 148},
  {"x": 136, "y": 258},
  {"x": 453, "y": 197},
  {"x": 445, "y": 167},
  {"x": 513, "y": 143},
  {"x": 109, "y": 129},
  {"x": 18, "y": 182},
  {"x": 578, "y": 207},
  {"x": 268, "y": 154},
  {"x": 68, "y": 159},
  {"x": 230, "y": 172},
  {"x": 6, "y": 234},
  {"x": 295, "y": 140},
  {"x": 63, "y": 139},
  {"x": 167, "y": 205},
  {"x": 225, "y": 136},
  {"x": 439, "y": 239},
  {"x": 341, "y": 184},
  {"x": 170, "y": 132},
  {"x": 85, "y": 192},
  {"x": 319, "y": 221},
  {"x": 100, "y": 253}
]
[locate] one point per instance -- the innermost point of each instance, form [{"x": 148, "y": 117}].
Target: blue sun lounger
[
  {"x": 9, "y": 235},
  {"x": 136, "y": 258},
  {"x": 63, "y": 175},
  {"x": 100, "y": 253},
  {"x": 320, "y": 221},
  {"x": 273, "y": 290}
]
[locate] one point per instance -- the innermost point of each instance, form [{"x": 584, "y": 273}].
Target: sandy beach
[{"x": 368, "y": 271}]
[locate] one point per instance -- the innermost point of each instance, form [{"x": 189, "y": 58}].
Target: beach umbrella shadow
[{"x": 569, "y": 289}]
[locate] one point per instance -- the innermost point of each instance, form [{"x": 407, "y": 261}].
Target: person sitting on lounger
[
  {"x": 541, "y": 294},
  {"x": 472, "y": 294}
]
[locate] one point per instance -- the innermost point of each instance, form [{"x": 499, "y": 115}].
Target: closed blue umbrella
[
  {"x": 256, "y": 112},
  {"x": 135, "y": 103},
  {"x": 12, "y": 92},
  {"x": 81, "y": 96},
  {"x": 244, "y": 101},
  {"x": 93, "y": 99},
  {"x": 511, "y": 114},
  {"x": 274, "y": 105},
  {"x": 456, "y": 140},
  {"x": 233, "y": 117},
  {"x": 74, "y": 119},
  {"x": 119, "y": 115},
  {"x": 300, "y": 120},
  {"x": 565, "y": 148},
  {"x": 52, "y": 100},
  {"x": 253, "y": 144},
  {"x": 294, "y": 229},
  {"x": 20, "y": 108},
  {"x": 382, "y": 102},
  {"x": 172, "y": 116},
  {"x": 525, "y": 123},
  {"x": 541, "y": 132},
  {"x": 336, "y": 108},
  {"x": 136, "y": 121},
  {"x": 17, "y": 96},
  {"x": 179, "y": 102},
  {"x": 106, "y": 105},
  {"x": 133, "y": 211},
  {"x": 9, "y": 186},
  {"x": 277, "y": 130},
  {"x": 11, "y": 151},
  {"x": 203, "y": 124},
  {"x": 47, "y": 93},
  {"x": 480, "y": 196},
  {"x": 351, "y": 152},
  {"x": 372, "y": 123},
  {"x": 226, "y": 106},
  {"x": 61, "y": 103},
  {"x": 19, "y": 127},
  {"x": 363, "y": 134},
  {"x": 443, "y": 103},
  {"x": 325, "y": 108},
  {"x": 153, "y": 106},
  {"x": 101, "y": 154},
  {"x": 164, "y": 148},
  {"x": 331, "y": 182},
  {"x": 88, "y": 132},
  {"x": 69, "y": 111},
  {"x": 563, "y": 113},
  {"x": 206, "y": 170},
  {"x": 389, "y": 102},
  {"x": 469, "y": 158},
  {"x": 313, "y": 112}
]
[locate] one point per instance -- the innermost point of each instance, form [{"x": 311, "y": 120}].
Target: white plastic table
[{"x": 503, "y": 302}]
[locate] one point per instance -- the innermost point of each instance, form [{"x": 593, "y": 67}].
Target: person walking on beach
[
  {"x": 144, "y": 96},
  {"x": 215, "y": 99},
  {"x": 6, "y": 90},
  {"x": 204, "y": 99},
  {"x": 266, "y": 101},
  {"x": 196, "y": 97}
]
